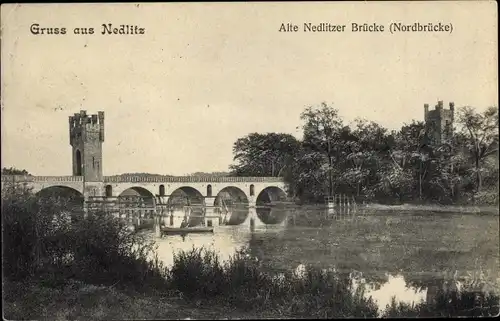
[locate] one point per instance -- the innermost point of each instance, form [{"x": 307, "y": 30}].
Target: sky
[{"x": 202, "y": 75}]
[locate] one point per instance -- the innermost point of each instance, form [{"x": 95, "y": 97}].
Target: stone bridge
[
  {"x": 249, "y": 189},
  {"x": 201, "y": 191}
]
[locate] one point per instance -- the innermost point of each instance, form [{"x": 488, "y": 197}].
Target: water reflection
[
  {"x": 413, "y": 256},
  {"x": 395, "y": 286}
]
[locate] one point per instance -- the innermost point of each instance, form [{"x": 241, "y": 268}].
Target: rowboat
[{"x": 185, "y": 230}]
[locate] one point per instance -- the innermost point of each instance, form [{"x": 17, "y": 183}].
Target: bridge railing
[
  {"x": 192, "y": 179},
  {"x": 27, "y": 178},
  {"x": 140, "y": 179}
]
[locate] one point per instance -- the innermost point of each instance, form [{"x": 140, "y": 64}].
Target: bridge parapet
[
  {"x": 37, "y": 179},
  {"x": 191, "y": 179}
]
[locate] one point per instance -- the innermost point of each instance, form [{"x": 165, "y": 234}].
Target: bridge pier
[
  {"x": 168, "y": 220},
  {"x": 85, "y": 210},
  {"x": 211, "y": 217},
  {"x": 161, "y": 213},
  {"x": 252, "y": 212},
  {"x": 157, "y": 226}
]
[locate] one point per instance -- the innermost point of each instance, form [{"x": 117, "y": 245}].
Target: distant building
[{"x": 439, "y": 123}]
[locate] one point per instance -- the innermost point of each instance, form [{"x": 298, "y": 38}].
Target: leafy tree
[
  {"x": 481, "y": 136},
  {"x": 367, "y": 144},
  {"x": 264, "y": 154},
  {"x": 323, "y": 132},
  {"x": 311, "y": 175}
]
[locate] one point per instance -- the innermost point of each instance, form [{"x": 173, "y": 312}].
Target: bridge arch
[
  {"x": 233, "y": 204},
  {"x": 130, "y": 188},
  {"x": 59, "y": 191},
  {"x": 187, "y": 201},
  {"x": 134, "y": 197},
  {"x": 36, "y": 187},
  {"x": 271, "y": 194},
  {"x": 68, "y": 199},
  {"x": 270, "y": 205},
  {"x": 186, "y": 196},
  {"x": 136, "y": 191}
]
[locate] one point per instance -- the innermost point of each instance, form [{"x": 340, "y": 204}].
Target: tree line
[
  {"x": 14, "y": 171},
  {"x": 369, "y": 162}
]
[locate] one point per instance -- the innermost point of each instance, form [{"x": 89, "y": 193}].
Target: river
[{"x": 402, "y": 254}]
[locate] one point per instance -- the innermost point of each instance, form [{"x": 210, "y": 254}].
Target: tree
[
  {"x": 413, "y": 143},
  {"x": 311, "y": 175},
  {"x": 264, "y": 154},
  {"x": 481, "y": 136},
  {"x": 323, "y": 131},
  {"x": 367, "y": 143}
]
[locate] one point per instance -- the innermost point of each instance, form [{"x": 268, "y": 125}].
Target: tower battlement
[
  {"x": 81, "y": 124},
  {"x": 439, "y": 111}
]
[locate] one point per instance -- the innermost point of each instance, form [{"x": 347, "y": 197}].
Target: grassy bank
[
  {"x": 76, "y": 300},
  {"x": 201, "y": 287},
  {"x": 94, "y": 268}
]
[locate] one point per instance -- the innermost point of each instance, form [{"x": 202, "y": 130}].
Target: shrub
[
  {"x": 106, "y": 252},
  {"x": 460, "y": 303},
  {"x": 29, "y": 228},
  {"x": 242, "y": 283},
  {"x": 198, "y": 272},
  {"x": 39, "y": 240}
]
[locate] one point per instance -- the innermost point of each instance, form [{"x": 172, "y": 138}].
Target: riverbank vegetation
[
  {"x": 58, "y": 266},
  {"x": 373, "y": 164}
]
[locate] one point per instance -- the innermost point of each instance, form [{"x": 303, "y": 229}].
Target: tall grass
[
  {"x": 40, "y": 242},
  {"x": 241, "y": 282},
  {"x": 458, "y": 303}
]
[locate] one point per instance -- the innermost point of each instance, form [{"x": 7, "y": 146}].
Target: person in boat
[{"x": 184, "y": 223}]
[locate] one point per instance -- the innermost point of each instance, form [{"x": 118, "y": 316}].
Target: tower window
[
  {"x": 78, "y": 163},
  {"x": 93, "y": 162},
  {"x": 252, "y": 190},
  {"x": 209, "y": 190}
]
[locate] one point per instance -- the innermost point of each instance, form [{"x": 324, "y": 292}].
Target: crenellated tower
[
  {"x": 439, "y": 122},
  {"x": 86, "y": 135}
]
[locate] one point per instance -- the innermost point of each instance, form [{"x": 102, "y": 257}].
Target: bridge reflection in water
[{"x": 142, "y": 212}]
